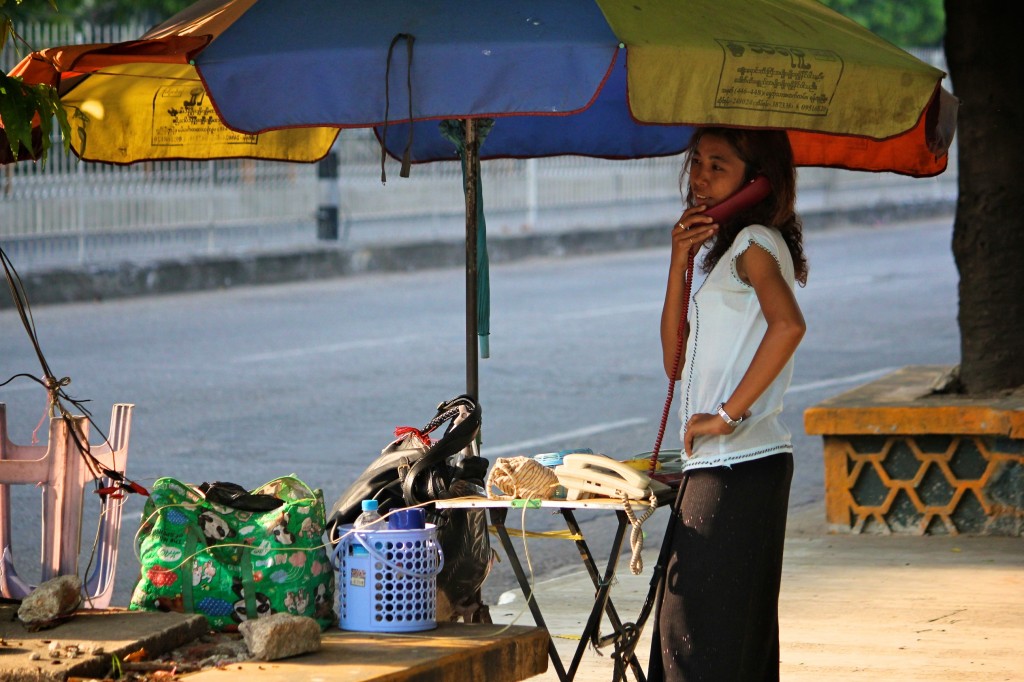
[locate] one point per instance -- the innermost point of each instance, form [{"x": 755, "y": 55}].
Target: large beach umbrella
[{"x": 274, "y": 80}]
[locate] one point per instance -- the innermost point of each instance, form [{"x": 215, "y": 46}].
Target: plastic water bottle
[{"x": 370, "y": 519}]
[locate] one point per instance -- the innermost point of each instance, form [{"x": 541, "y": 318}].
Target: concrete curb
[{"x": 206, "y": 273}]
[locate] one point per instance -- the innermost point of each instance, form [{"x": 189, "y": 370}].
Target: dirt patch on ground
[{"x": 218, "y": 650}]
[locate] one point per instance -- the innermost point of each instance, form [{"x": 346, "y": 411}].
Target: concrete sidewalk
[
  {"x": 862, "y": 608},
  {"x": 853, "y": 607}
]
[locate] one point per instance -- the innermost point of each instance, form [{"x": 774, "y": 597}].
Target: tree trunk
[{"x": 982, "y": 52}]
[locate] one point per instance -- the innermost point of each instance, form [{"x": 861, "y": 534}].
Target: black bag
[{"x": 409, "y": 472}]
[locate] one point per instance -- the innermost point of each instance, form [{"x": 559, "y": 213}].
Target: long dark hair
[{"x": 765, "y": 152}]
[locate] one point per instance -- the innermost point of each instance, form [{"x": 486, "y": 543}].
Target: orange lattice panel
[{"x": 924, "y": 484}]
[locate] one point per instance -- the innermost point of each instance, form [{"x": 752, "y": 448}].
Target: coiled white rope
[{"x": 521, "y": 478}]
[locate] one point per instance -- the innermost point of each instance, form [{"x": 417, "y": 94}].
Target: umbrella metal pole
[
  {"x": 482, "y": 615},
  {"x": 472, "y": 170}
]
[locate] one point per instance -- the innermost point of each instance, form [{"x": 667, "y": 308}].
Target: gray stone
[
  {"x": 280, "y": 635},
  {"x": 51, "y": 603}
]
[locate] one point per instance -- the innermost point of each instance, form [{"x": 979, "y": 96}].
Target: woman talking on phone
[{"x": 718, "y": 616}]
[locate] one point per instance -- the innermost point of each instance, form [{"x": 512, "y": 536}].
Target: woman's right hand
[{"x": 691, "y": 231}]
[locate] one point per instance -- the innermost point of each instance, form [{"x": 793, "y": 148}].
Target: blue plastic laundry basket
[{"x": 387, "y": 579}]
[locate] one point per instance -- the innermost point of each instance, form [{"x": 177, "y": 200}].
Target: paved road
[{"x": 247, "y": 384}]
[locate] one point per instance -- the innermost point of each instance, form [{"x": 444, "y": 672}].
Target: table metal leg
[
  {"x": 602, "y": 601},
  {"x": 498, "y": 516}
]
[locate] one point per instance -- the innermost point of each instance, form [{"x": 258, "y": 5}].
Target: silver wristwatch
[{"x": 733, "y": 423}]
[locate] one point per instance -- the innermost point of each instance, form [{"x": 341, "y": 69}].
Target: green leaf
[
  {"x": 16, "y": 111},
  {"x": 6, "y": 28},
  {"x": 19, "y": 105}
]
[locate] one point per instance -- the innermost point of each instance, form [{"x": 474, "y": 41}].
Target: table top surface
[
  {"x": 602, "y": 503},
  {"x": 452, "y": 651}
]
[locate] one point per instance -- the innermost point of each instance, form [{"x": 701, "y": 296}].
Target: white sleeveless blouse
[{"x": 726, "y": 327}]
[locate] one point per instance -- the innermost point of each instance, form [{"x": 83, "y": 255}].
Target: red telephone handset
[{"x": 745, "y": 197}]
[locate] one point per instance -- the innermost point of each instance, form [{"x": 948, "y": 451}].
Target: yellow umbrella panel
[
  {"x": 846, "y": 97},
  {"x": 124, "y": 112}
]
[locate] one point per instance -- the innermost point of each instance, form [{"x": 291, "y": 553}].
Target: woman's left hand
[{"x": 705, "y": 424}]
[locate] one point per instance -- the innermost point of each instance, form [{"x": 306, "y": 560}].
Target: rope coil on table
[{"x": 520, "y": 478}]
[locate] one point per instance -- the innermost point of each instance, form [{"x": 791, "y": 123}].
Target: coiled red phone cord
[{"x": 680, "y": 341}]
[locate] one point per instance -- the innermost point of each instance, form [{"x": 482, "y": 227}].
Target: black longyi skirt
[{"x": 718, "y": 620}]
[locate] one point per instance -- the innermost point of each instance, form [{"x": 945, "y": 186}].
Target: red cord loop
[{"x": 680, "y": 340}]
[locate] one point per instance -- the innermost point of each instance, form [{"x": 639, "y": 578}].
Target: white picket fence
[{"x": 70, "y": 212}]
